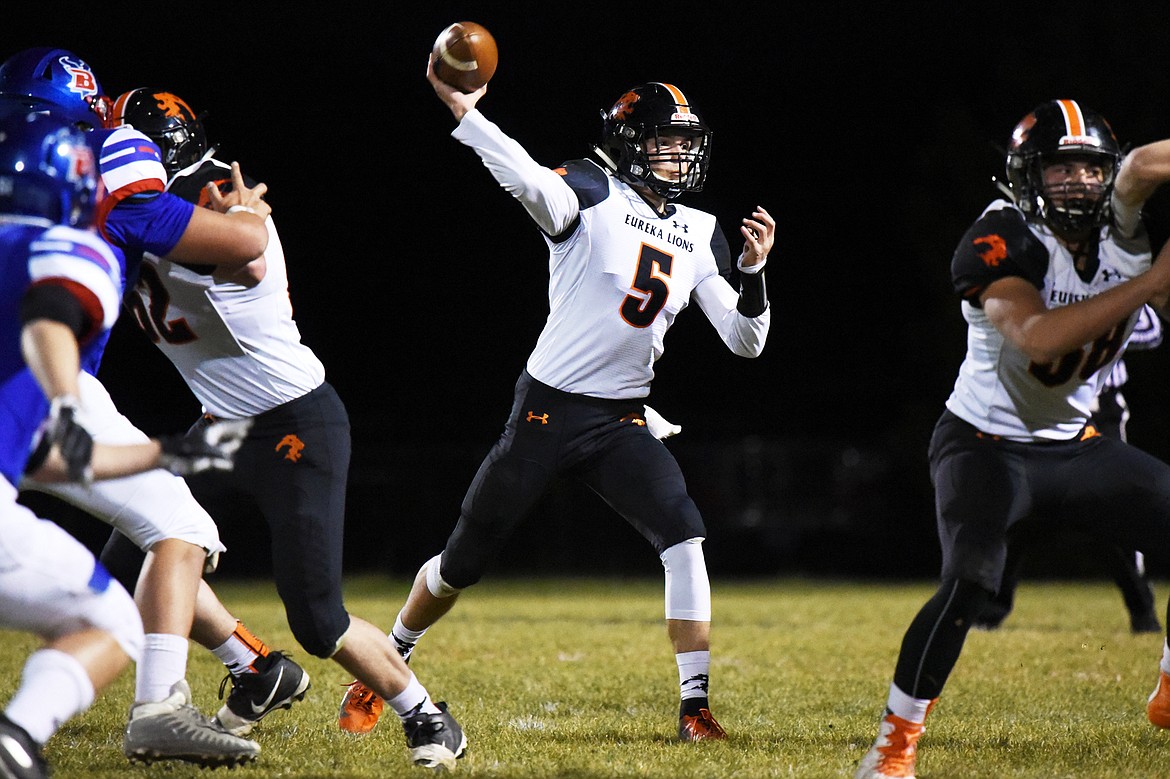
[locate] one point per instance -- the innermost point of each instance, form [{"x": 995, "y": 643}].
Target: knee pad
[
  {"x": 688, "y": 590},
  {"x": 435, "y": 584}
]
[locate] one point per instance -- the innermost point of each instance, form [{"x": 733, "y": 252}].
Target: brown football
[{"x": 465, "y": 56}]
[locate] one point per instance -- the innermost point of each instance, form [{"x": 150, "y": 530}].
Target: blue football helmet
[
  {"x": 47, "y": 170},
  {"x": 55, "y": 80}
]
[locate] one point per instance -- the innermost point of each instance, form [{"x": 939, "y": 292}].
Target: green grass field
[{"x": 574, "y": 678}]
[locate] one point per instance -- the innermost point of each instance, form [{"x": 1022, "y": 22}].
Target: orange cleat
[
  {"x": 894, "y": 753},
  {"x": 1158, "y": 708},
  {"x": 360, "y": 709},
  {"x": 700, "y": 727}
]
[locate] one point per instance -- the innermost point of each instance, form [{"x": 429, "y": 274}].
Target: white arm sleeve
[
  {"x": 550, "y": 202},
  {"x": 743, "y": 335}
]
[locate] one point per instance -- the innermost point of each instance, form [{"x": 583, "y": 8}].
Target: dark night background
[{"x": 871, "y": 134}]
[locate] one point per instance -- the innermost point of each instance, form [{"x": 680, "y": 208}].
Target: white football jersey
[
  {"x": 619, "y": 272},
  {"x": 999, "y": 389},
  {"x": 237, "y": 347}
]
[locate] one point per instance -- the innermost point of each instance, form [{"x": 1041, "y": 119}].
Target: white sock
[
  {"x": 1165, "y": 664},
  {"x": 240, "y": 651},
  {"x": 53, "y": 688},
  {"x": 909, "y": 709},
  {"x": 412, "y": 700},
  {"x": 164, "y": 662},
  {"x": 693, "y": 671},
  {"x": 404, "y": 638}
]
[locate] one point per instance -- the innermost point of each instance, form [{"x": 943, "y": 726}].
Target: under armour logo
[
  {"x": 1108, "y": 273},
  {"x": 696, "y": 682},
  {"x": 637, "y": 419},
  {"x": 294, "y": 444},
  {"x": 534, "y": 417},
  {"x": 682, "y": 227}
]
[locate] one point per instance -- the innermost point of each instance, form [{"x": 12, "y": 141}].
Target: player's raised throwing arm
[{"x": 548, "y": 199}]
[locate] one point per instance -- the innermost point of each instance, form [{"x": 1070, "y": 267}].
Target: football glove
[
  {"x": 63, "y": 429},
  {"x": 204, "y": 447}
]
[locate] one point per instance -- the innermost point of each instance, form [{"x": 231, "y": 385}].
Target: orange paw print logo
[{"x": 294, "y": 444}]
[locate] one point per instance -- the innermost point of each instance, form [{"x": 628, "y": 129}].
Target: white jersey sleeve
[
  {"x": 743, "y": 335},
  {"x": 547, "y": 198}
]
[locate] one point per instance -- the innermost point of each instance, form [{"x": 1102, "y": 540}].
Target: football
[{"x": 465, "y": 56}]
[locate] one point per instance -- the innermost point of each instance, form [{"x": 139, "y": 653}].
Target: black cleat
[
  {"x": 435, "y": 740},
  {"x": 20, "y": 756},
  {"x": 277, "y": 684}
]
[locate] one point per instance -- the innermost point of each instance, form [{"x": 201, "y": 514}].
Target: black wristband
[{"x": 753, "y": 294}]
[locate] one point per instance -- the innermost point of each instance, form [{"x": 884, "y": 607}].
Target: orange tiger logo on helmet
[
  {"x": 173, "y": 105},
  {"x": 625, "y": 104}
]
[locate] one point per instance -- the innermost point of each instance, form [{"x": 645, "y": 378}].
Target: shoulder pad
[
  {"x": 587, "y": 180},
  {"x": 191, "y": 186},
  {"x": 998, "y": 245}
]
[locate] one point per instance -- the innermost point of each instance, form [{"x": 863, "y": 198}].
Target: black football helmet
[
  {"x": 166, "y": 119},
  {"x": 1063, "y": 128},
  {"x": 643, "y": 114}
]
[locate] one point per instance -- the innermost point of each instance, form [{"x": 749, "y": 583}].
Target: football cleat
[
  {"x": 435, "y": 740},
  {"x": 895, "y": 751},
  {"x": 173, "y": 729},
  {"x": 700, "y": 727},
  {"x": 1158, "y": 706},
  {"x": 360, "y": 709},
  {"x": 277, "y": 684},
  {"x": 20, "y": 756}
]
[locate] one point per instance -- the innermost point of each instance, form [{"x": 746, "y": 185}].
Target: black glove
[
  {"x": 64, "y": 430},
  {"x": 204, "y": 447}
]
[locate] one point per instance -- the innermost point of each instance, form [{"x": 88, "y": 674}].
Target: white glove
[{"x": 659, "y": 427}]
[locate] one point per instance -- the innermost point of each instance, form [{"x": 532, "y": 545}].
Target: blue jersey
[
  {"x": 31, "y": 255},
  {"x": 136, "y": 215}
]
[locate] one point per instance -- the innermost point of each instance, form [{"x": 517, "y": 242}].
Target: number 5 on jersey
[{"x": 639, "y": 311}]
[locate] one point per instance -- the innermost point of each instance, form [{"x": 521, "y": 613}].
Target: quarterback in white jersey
[
  {"x": 1051, "y": 283},
  {"x": 624, "y": 260}
]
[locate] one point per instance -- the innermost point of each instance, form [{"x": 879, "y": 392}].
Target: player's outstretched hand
[
  {"x": 759, "y": 233},
  {"x": 458, "y": 101},
  {"x": 251, "y": 199},
  {"x": 206, "y": 447}
]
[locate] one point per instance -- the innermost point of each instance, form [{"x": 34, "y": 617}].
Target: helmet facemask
[
  {"x": 671, "y": 160},
  {"x": 1076, "y": 202}
]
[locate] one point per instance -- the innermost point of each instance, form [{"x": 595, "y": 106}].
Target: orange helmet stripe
[
  {"x": 684, "y": 105},
  {"x": 1074, "y": 120}
]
